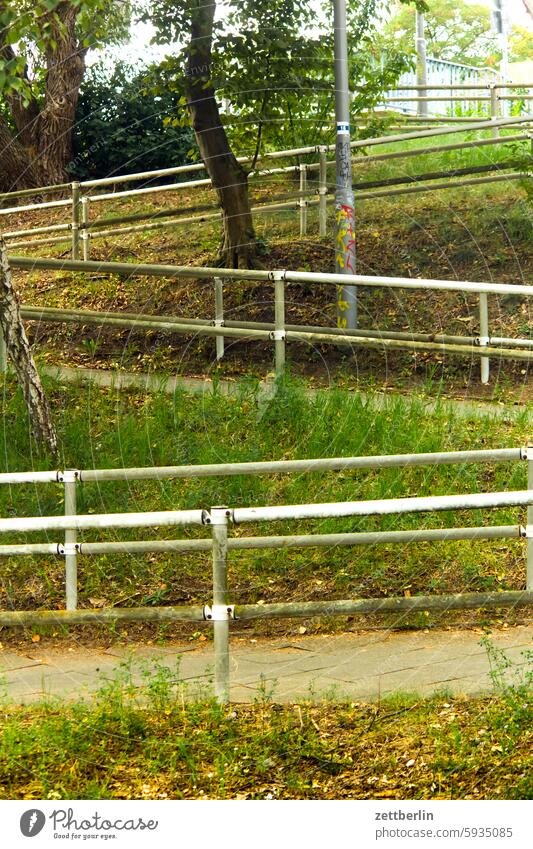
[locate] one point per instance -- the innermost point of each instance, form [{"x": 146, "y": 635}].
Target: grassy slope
[
  {"x": 154, "y": 744},
  {"x": 478, "y": 233},
  {"x": 99, "y": 429}
]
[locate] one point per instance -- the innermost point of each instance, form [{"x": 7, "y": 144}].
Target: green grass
[
  {"x": 152, "y": 742},
  {"x": 100, "y": 429}
]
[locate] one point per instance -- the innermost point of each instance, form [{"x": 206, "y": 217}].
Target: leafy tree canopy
[
  {"x": 31, "y": 29},
  {"x": 272, "y": 67},
  {"x": 458, "y": 32}
]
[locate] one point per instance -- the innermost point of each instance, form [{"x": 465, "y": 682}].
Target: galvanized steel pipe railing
[{"x": 221, "y": 610}]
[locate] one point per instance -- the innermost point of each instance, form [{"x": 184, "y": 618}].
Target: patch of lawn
[
  {"x": 102, "y": 429},
  {"x": 153, "y": 742}
]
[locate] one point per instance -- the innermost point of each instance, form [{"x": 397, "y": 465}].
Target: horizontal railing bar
[
  {"x": 494, "y": 455},
  {"x": 103, "y": 520},
  {"x": 452, "y": 184},
  {"x": 499, "y": 455},
  {"x": 135, "y": 269},
  {"x": 376, "y": 537},
  {"x": 53, "y": 228},
  {"x": 203, "y": 329},
  {"x": 503, "y": 340},
  {"x": 351, "y": 607},
  {"x": 47, "y": 205},
  {"x": 176, "y": 222},
  {"x": 439, "y": 131},
  {"x": 176, "y": 271},
  {"x": 10, "y": 618},
  {"x": 142, "y": 175},
  {"x": 454, "y": 98},
  {"x": 399, "y": 154},
  {"x": 461, "y": 86},
  {"x": 410, "y": 345},
  {"x": 405, "y": 282},
  {"x": 384, "y": 507},
  {"x": 34, "y": 313},
  {"x": 465, "y": 601},
  {"x": 191, "y": 184},
  {"x": 30, "y": 243},
  {"x": 40, "y": 190},
  {"x": 32, "y": 549},
  {"x": 187, "y": 546},
  {"x": 30, "y": 477}
]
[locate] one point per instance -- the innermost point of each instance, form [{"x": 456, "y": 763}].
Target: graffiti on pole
[{"x": 345, "y": 254}]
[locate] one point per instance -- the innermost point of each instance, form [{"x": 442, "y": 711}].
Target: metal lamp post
[{"x": 344, "y": 199}]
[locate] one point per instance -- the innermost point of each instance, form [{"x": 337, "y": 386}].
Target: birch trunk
[{"x": 19, "y": 352}]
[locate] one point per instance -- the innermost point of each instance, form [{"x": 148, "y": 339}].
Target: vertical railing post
[
  {"x": 322, "y": 192},
  {"x": 484, "y": 334},
  {"x": 219, "y": 315},
  {"x": 303, "y": 199},
  {"x": 278, "y": 334},
  {"x": 494, "y": 107},
  {"x": 85, "y": 234},
  {"x": 69, "y": 479},
  {"x": 75, "y": 221},
  {"x": 421, "y": 66},
  {"x": 220, "y": 612},
  {"x": 529, "y": 528}
]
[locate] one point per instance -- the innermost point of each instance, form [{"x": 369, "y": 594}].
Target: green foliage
[
  {"x": 121, "y": 127},
  {"x": 29, "y": 33},
  {"x": 455, "y": 30},
  {"x": 103, "y": 430},
  {"x": 458, "y": 32},
  {"x": 272, "y": 68},
  {"x": 520, "y": 44}
]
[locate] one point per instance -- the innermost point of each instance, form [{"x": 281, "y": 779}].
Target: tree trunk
[
  {"x": 230, "y": 180},
  {"x": 16, "y": 167},
  {"x": 43, "y": 142},
  {"x": 65, "y": 68},
  {"x": 18, "y": 350}
]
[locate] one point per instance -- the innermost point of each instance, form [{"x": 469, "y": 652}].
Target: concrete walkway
[
  {"x": 361, "y": 667},
  {"x": 154, "y": 382}
]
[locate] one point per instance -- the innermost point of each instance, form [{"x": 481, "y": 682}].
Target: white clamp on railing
[
  {"x": 277, "y": 335},
  {"x": 482, "y": 341},
  {"x": 526, "y": 453},
  {"x": 68, "y": 549},
  {"x": 215, "y": 518},
  {"x": 68, "y": 476},
  {"x": 277, "y": 275},
  {"x": 219, "y": 612}
]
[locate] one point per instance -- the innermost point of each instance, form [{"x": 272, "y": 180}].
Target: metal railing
[
  {"x": 81, "y": 230},
  {"x": 492, "y": 97},
  {"x": 483, "y": 346},
  {"x": 221, "y": 609}
]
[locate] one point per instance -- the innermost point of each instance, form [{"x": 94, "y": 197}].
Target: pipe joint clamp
[
  {"x": 219, "y": 612},
  {"x": 69, "y": 476},
  {"x": 68, "y": 549},
  {"x": 278, "y": 335}
]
